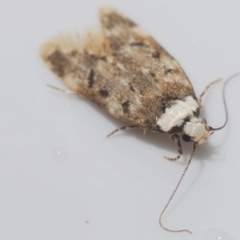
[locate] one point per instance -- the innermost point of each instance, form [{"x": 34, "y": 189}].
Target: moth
[{"x": 123, "y": 70}]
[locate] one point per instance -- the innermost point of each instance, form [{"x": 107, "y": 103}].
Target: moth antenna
[
  {"x": 175, "y": 190},
  {"x": 207, "y": 87},
  {"x": 224, "y": 102}
]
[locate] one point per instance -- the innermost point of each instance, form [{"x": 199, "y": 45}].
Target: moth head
[{"x": 196, "y": 130}]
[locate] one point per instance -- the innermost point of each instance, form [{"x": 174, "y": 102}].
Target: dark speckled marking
[
  {"x": 176, "y": 129},
  {"x": 153, "y": 74},
  {"x": 91, "y": 78},
  {"x": 186, "y": 138},
  {"x": 59, "y": 62},
  {"x": 104, "y": 93},
  {"x": 136, "y": 44},
  {"x": 132, "y": 88},
  {"x": 103, "y": 58},
  {"x": 156, "y": 55},
  {"x": 169, "y": 71},
  {"x": 125, "y": 106},
  {"x": 74, "y": 53}
]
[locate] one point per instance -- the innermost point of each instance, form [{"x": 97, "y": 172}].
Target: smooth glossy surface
[{"x": 212, "y": 234}]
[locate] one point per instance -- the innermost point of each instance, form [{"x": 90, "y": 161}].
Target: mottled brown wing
[{"x": 120, "y": 68}]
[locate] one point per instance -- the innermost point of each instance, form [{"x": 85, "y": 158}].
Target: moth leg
[
  {"x": 122, "y": 128},
  {"x": 67, "y": 91},
  {"x": 176, "y": 139},
  {"x": 207, "y": 87}
]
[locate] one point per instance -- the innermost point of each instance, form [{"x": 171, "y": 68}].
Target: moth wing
[{"x": 121, "y": 68}]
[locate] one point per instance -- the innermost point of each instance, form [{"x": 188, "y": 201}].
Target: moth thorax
[{"x": 197, "y": 129}]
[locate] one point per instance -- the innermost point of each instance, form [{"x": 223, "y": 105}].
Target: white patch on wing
[{"x": 175, "y": 115}]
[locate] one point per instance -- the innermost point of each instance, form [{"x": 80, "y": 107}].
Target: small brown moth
[{"x": 127, "y": 73}]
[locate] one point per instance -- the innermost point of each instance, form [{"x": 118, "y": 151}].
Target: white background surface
[{"x": 57, "y": 169}]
